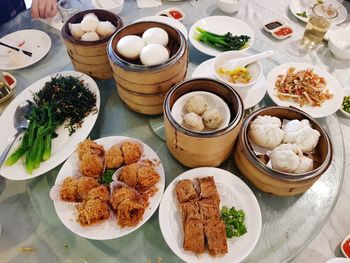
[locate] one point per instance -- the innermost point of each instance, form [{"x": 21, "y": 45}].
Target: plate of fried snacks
[
  {"x": 306, "y": 87},
  {"x": 108, "y": 188},
  {"x": 65, "y": 109},
  {"x": 210, "y": 215}
]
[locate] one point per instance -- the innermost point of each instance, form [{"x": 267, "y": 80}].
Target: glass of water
[
  {"x": 318, "y": 24},
  {"x": 67, "y": 8}
]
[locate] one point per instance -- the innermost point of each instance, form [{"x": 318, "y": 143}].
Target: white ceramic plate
[
  {"x": 35, "y": 41},
  {"x": 109, "y": 229},
  {"x": 214, "y": 101},
  {"x": 250, "y": 96},
  {"x": 346, "y": 92},
  {"x": 166, "y": 20},
  {"x": 220, "y": 25},
  {"x": 328, "y": 107},
  {"x": 233, "y": 192},
  {"x": 299, "y": 6},
  {"x": 62, "y": 146}
]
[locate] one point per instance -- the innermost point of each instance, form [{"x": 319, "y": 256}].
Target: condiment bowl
[
  {"x": 196, "y": 149},
  {"x": 255, "y": 69},
  {"x": 13, "y": 85},
  {"x": 114, "y": 6},
  {"x": 342, "y": 247},
  {"x": 230, "y": 6},
  {"x": 339, "y": 43},
  {"x": 346, "y": 92},
  {"x": 272, "y": 181}
]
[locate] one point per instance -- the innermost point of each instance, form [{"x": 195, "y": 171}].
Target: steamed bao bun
[
  {"x": 130, "y": 46},
  {"x": 156, "y": 35}
]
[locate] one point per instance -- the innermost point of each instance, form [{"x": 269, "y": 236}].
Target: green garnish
[
  {"x": 234, "y": 221},
  {"x": 302, "y": 14},
  {"x": 320, "y": 2},
  {"x": 222, "y": 42},
  {"x": 106, "y": 178},
  {"x": 346, "y": 104}
]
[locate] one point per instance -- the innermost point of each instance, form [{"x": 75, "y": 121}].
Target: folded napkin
[
  {"x": 148, "y": 3},
  {"x": 55, "y": 22}
]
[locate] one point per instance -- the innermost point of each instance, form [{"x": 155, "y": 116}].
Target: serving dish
[
  {"x": 194, "y": 149},
  {"x": 90, "y": 57},
  {"x": 273, "y": 181},
  {"x": 339, "y": 43},
  {"x": 109, "y": 229},
  {"x": 328, "y": 107},
  {"x": 62, "y": 146},
  {"x": 220, "y": 25},
  {"x": 233, "y": 192},
  {"x": 35, "y": 41}
]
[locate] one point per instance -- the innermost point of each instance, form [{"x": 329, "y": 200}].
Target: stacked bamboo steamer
[
  {"x": 196, "y": 149},
  {"x": 143, "y": 88},
  {"x": 273, "y": 181},
  {"x": 90, "y": 57}
]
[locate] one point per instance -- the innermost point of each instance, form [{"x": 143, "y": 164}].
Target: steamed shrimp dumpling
[
  {"x": 265, "y": 131},
  {"x": 75, "y": 30},
  {"x": 90, "y": 36},
  {"x": 89, "y": 22},
  {"x": 105, "y": 28}
]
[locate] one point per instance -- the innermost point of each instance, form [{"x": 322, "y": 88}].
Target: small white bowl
[
  {"x": 214, "y": 101},
  {"x": 346, "y": 92},
  {"x": 114, "y": 6},
  {"x": 339, "y": 43},
  {"x": 230, "y": 6},
  {"x": 342, "y": 244},
  {"x": 255, "y": 69}
]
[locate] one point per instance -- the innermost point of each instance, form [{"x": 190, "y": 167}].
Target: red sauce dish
[
  {"x": 345, "y": 247},
  {"x": 11, "y": 81},
  {"x": 283, "y": 32},
  {"x": 173, "y": 12}
]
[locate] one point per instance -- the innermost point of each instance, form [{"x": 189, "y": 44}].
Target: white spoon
[{"x": 244, "y": 61}]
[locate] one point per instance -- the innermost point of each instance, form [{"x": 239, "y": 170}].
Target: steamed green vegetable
[
  {"x": 302, "y": 14},
  {"x": 222, "y": 42},
  {"x": 234, "y": 221}
]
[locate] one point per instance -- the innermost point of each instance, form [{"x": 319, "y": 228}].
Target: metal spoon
[{"x": 20, "y": 122}]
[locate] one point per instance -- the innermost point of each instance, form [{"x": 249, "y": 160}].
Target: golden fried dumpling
[
  {"x": 131, "y": 152},
  {"x": 92, "y": 211},
  {"x": 130, "y": 213},
  {"x": 120, "y": 194},
  {"x": 147, "y": 177},
  {"x": 91, "y": 165},
  {"x": 128, "y": 174},
  {"x": 114, "y": 157},
  {"x": 101, "y": 192},
  {"x": 85, "y": 184},
  {"x": 89, "y": 147},
  {"x": 69, "y": 189}
]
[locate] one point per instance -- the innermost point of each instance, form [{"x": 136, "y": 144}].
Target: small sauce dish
[
  {"x": 345, "y": 247},
  {"x": 282, "y": 32},
  {"x": 346, "y": 93},
  {"x": 273, "y": 24},
  {"x": 173, "y": 12},
  {"x": 11, "y": 80}
]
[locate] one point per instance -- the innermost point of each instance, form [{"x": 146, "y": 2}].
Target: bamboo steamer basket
[
  {"x": 270, "y": 180},
  {"x": 90, "y": 57},
  {"x": 143, "y": 88},
  {"x": 195, "y": 149}
]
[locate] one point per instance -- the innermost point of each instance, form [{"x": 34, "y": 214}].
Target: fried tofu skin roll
[
  {"x": 131, "y": 152},
  {"x": 208, "y": 188},
  {"x": 185, "y": 191},
  {"x": 130, "y": 213},
  {"x": 90, "y": 147},
  {"x": 101, "y": 192},
  {"x": 114, "y": 157},
  {"x": 93, "y": 211},
  {"x": 69, "y": 190},
  {"x": 215, "y": 233},
  {"x": 194, "y": 236},
  {"x": 85, "y": 184},
  {"x": 91, "y": 165}
]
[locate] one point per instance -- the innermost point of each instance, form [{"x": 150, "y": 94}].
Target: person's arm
[{"x": 44, "y": 8}]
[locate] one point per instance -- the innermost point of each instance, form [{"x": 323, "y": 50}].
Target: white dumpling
[
  {"x": 105, "y": 28},
  {"x": 306, "y": 165},
  {"x": 75, "y": 30},
  {"x": 196, "y": 104},
  {"x": 89, "y": 22},
  {"x": 306, "y": 138},
  {"x": 265, "y": 131},
  {"x": 285, "y": 158},
  {"x": 193, "y": 121},
  {"x": 212, "y": 118},
  {"x": 90, "y": 36}
]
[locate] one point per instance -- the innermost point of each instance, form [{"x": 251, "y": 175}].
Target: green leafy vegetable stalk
[
  {"x": 302, "y": 14},
  {"x": 234, "y": 221},
  {"x": 222, "y": 42}
]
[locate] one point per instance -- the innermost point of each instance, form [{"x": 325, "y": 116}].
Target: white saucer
[{"x": 250, "y": 96}]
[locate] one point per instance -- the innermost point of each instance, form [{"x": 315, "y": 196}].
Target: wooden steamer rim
[
  {"x": 103, "y": 15},
  {"x": 233, "y": 123},
  {"x": 250, "y": 155},
  {"x": 126, "y": 65}
]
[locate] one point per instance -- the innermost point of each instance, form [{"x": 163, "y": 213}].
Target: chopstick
[{"x": 17, "y": 49}]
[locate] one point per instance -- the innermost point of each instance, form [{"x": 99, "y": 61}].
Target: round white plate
[
  {"x": 327, "y": 108},
  {"x": 346, "y": 92},
  {"x": 62, "y": 146},
  {"x": 166, "y": 20},
  {"x": 214, "y": 101},
  {"x": 109, "y": 229},
  {"x": 299, "y": 6},
  {"x": 233, "y": 192},
  {"x": 250, "y": 96},
  {"x": 32, "y": 40},
  {"x": 220, "y": 25}
]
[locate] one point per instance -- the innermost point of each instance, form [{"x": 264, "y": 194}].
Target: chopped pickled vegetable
[
  {"x": 346, "y": 104},
  {"x": 237, "y": 75}
]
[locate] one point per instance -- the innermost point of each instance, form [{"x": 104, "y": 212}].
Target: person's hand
[{"x": 44, "y": 8}]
